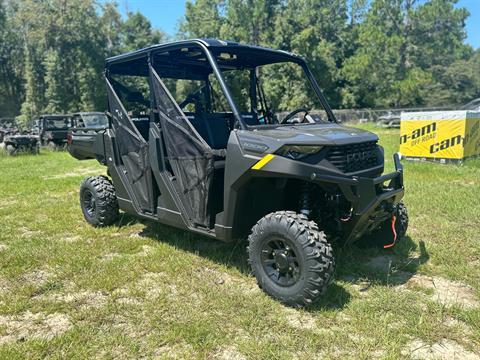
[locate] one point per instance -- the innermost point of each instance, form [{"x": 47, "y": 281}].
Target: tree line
[
  {"x": 52, "y": 53},
  {"x": 365, "y": 53}
]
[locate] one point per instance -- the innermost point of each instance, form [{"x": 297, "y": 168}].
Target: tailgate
[{"x": 84, "y": 144}]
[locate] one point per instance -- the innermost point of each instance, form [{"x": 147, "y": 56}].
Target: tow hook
[{"x": 394, "y": 220}]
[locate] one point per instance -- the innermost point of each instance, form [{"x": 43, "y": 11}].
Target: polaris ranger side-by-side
[
  {"x": 53, "y": 130},
  {"x": 193, "y": 142}
]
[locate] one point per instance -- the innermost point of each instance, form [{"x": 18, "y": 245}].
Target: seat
[
  {"x": 143, "y": 126},
  {"x": 218, "y": 129},
  {"x": 199, "y": 124}
]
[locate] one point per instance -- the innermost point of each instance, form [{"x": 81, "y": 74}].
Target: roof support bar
[
  {"x": 319, "y": 92},
  {"x": 221, "y": 80}
]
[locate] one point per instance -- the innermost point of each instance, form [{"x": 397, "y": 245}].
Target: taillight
[{"x": 69, "y": 139}]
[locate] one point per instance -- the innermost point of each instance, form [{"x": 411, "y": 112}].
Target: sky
[{"x": 166, "y": 14}]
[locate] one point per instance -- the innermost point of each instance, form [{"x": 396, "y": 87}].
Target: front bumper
[
  {"x": 21, "y": 140},
  {"x": 372, "y": 201}
]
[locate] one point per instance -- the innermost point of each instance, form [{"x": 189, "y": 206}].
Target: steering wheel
[{"x": 293, "y": 113}]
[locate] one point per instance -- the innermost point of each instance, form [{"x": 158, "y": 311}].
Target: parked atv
[
  {"x": 15, "y": 142},
  {"x": 211, "y": 157},
  {"x": 389, "y": 120},
  {"x": 53, "y": 130}
]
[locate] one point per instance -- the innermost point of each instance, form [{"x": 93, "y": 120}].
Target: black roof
[
  {"x": 209, "y": 43},
  {"x": 54, "y": 116},
  {"x": 183, "y": 53}
]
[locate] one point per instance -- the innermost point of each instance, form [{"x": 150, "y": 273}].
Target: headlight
[{"x": 297, "y": 152}]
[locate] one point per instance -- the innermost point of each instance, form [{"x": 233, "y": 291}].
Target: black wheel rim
[
  {"x": 89, "y": 203},
  {"x": 280, "y": 262}
]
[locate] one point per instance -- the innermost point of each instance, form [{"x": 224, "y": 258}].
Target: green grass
[{"x": 68, "y": 290}]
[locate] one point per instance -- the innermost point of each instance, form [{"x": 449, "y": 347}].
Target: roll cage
[
  {"x": 185, "y": 151},
  {"x": 55, "y": 122},
  {"x": 199, "y": 58}
]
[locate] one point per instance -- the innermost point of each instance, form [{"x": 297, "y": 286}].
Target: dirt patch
[
  {"x": 229, "y": 353},
  {"x": 110, "y": 256},
  {"x": 118, "y": 352},
  {"x": 128, "y": 301},
  {"x": 122, "y": 296},
  {"x": 444, "y": 349},
  {"x": 217, "y": 277},
  {"x": 145, "y": 251},
  {"x": 28, "y": 233},
  {"x": 464, "y": 183},
  {"x": 3, "y": 247},
  {"x": 37, "y": 277},
  {"x": 8, "y": 202},
  {"x": 4, "y": 284},
  {"x": 116, "y": 234},
  {"x": 299, "y": 320},
  {"x": 446, "y": 292},
  {"x": 459, "y": 325},
  {"x": 155, "y": 286},
  {"x": 174, "y": 351},
  {"x": 379, "y": 354},
  {"x": 32, "y": 326},
  {"x": 82, "y": 299},
  {"x": 71, "y": 239}
]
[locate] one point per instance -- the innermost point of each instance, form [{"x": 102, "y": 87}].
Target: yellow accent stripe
[{"x": 263, "y": 161}]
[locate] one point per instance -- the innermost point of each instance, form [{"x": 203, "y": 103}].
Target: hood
[{"x": 315, "y": 134}]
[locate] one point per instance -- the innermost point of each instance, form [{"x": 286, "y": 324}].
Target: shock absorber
[{"x": 305, "y": 204}]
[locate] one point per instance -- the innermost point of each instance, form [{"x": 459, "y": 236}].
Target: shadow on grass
[
  {"x": 336, "y": 298},
  {"x": 392, "y": 267},
  {"x": 127, "y": 220},
  {"x": 232, "y": 254},
  {"x": 229, "y": 254},
  {"x": 366, "y": 265}
]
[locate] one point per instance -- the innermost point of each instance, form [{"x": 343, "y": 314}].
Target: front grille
[{"x": 354, "y": 157}]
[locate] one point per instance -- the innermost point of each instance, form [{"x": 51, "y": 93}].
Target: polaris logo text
[{"x": 361, "y": 155}]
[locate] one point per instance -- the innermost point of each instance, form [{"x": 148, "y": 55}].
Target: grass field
[{"x": 139, "y": 289}]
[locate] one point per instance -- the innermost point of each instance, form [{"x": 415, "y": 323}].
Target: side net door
[
  {"x": 189, "y": 156},
  {"x": 133, "y": 151}
]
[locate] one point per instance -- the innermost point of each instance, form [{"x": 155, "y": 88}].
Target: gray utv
[
  {"x": 53, "y": 130},
  {"x": 14, "y": 141},
  {"x": 194, "y": 142}
]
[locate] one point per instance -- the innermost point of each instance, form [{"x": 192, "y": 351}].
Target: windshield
[
  {"x": 272, "y": 92},
  {"x": 265, "y": 91},
  {"x": 95, "y": 121},
  {"x": 56, "y": 124}
]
